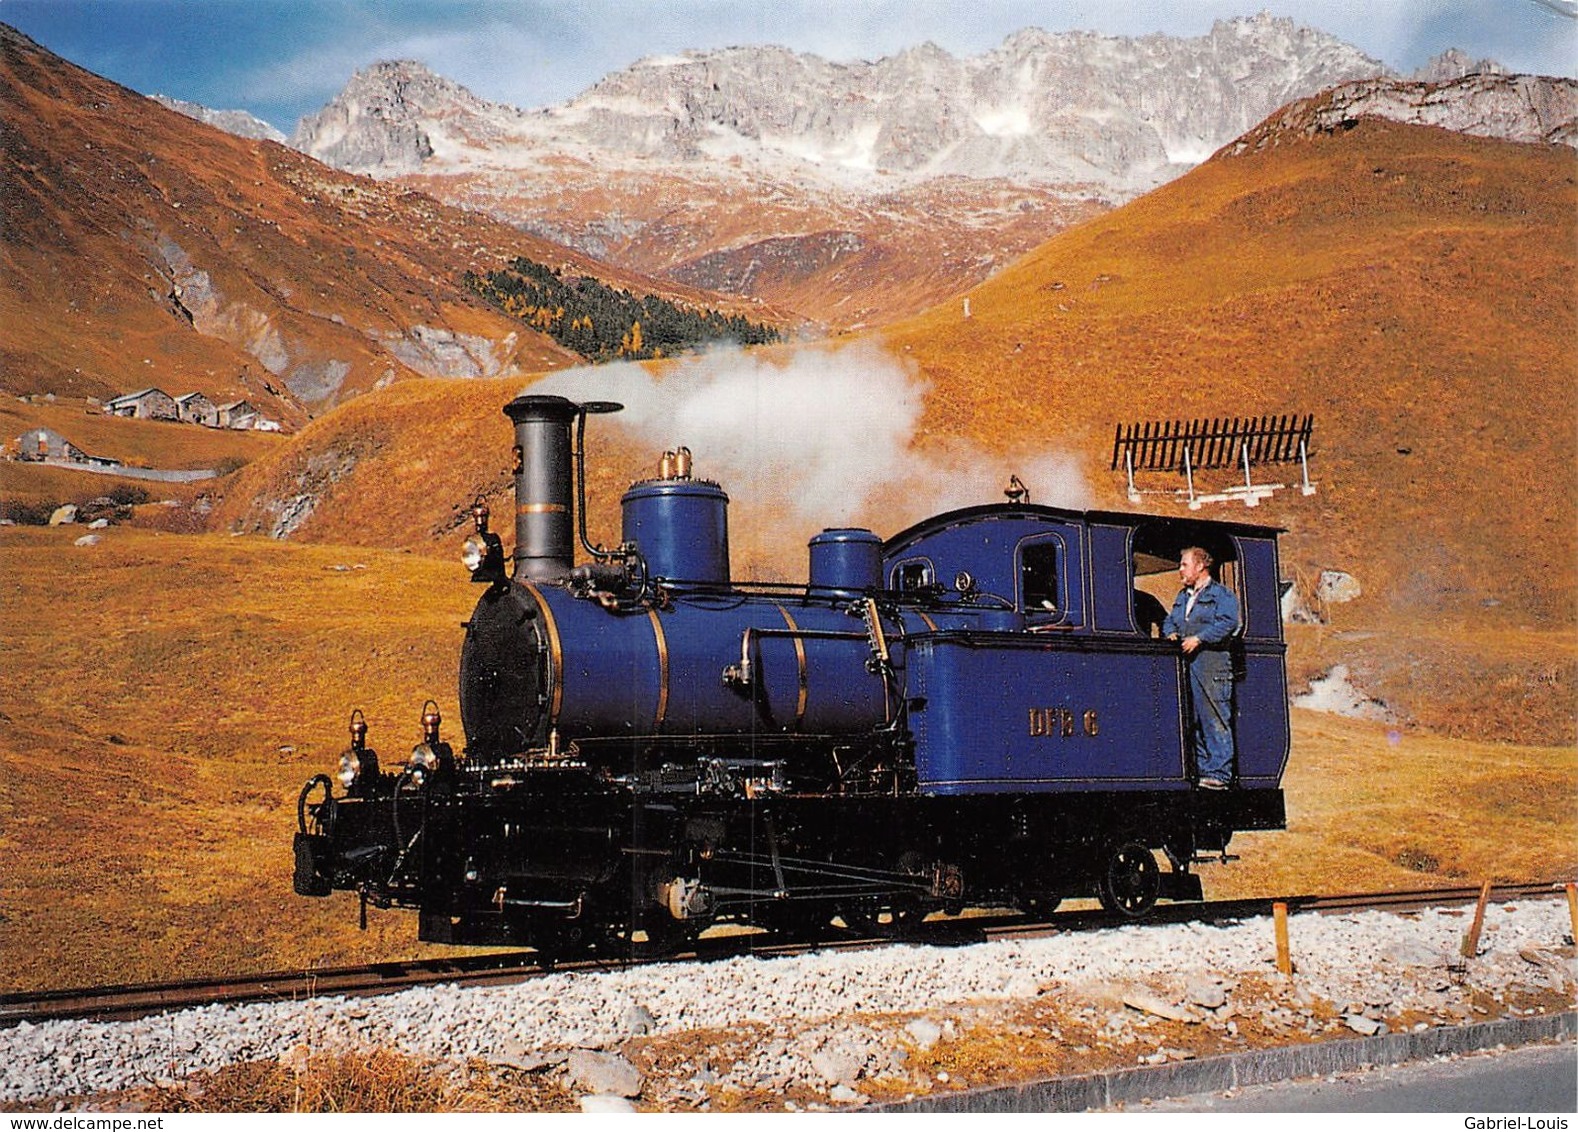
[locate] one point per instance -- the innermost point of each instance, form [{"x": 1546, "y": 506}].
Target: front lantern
[
  {"x": 423, "y": 762},
  {"x": 432, "y": 753},
  {"x": 359, "y": 763},
  {"x": 472, "y": 552}
]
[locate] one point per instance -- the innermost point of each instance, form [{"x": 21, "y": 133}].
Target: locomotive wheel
[
  {"x": 1130, "y": 880},
  {"x": 891, "y": 915}
]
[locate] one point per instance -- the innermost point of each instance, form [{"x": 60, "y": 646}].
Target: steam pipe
[{"x": 597, "y": 552}]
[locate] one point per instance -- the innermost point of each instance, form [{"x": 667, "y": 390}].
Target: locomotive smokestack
[{"x": 544, "y": 487}]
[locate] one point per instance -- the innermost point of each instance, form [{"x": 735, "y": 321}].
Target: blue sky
[{"x": 281, "y": 59}]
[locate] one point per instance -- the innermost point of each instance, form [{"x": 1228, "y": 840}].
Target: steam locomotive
[{"x": 975, "y": 711}]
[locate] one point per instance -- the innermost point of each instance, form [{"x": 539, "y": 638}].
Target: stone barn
[
  {"x": 47, "y": 444},
  {"x": 197, "y": 409},
  {"x": 145, "y": 404},
  {"x": 237, "y": 414}
]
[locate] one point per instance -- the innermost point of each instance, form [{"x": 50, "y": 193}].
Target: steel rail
[{"x": 119, "y": 1002}]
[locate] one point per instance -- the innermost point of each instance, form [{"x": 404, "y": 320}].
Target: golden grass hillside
[{"x": 164, "y": 697}]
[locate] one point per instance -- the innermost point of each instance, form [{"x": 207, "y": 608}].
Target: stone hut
[
  {"x": 146, "y": 404},
  {"x": 47, "y": 444},
  {"x": 197, "y": 409},
  {"x": 237, "y": 414}
]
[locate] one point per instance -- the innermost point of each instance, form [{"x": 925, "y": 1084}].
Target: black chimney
[{"x": 544, "y": 487}]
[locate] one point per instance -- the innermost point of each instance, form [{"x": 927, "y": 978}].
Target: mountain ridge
[
  {"x": 852, "y": 193},
  {"x": 1061, "y": 108}
]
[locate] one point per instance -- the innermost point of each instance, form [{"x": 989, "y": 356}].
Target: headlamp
[
  {"x": 472, "y": 553},
  {"x": 350, "y": 769},
  {"x": 423, "y": 762}
]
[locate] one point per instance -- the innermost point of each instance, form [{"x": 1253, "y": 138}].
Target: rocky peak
[
  {"x": 1453, "y": 64},
  {"x": 1119, "y": 113},
  {"x": 382, "y": 122},
  {"x": 238, "y": 122},
  {"x": 1516, "y": 108}
]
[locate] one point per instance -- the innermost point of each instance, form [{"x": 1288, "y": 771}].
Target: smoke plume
[{"x": 820, "y": 437}]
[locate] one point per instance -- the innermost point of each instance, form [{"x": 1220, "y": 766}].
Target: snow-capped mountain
[{"x": 1118, "y": 113}]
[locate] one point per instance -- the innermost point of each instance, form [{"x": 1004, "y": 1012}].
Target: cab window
[
  {"x": 1040, "y": 590},
  {"x": 912, "y": 577}
]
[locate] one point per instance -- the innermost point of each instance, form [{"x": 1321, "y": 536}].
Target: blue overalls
[{"x": 1214, "y": 619}]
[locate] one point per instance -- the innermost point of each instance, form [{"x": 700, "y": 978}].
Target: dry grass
[
  {"x": 164, "y": 697},
  {"x": 1374, "y": 808},
  {"x": 374, "y": 1081}
]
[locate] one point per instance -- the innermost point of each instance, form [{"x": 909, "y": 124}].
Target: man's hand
[{"x": 1190, "y": 644}]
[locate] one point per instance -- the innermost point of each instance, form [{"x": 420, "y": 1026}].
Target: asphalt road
[{"x": 1533, "y": 1079}]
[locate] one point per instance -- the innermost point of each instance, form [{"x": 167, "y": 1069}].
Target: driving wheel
[{"x": 1130, "y": 880}]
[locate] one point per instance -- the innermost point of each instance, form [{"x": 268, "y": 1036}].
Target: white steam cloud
[{"x": 828, "y": 434}]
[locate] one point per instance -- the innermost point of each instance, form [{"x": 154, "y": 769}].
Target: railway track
[{"x": 137, "y": 1000}]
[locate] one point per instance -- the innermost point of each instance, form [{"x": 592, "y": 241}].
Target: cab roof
[{"x": 995, "y": 511}]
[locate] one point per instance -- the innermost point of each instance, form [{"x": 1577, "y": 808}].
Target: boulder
[
  {"x": 1336, "y": 587},
  {"x": 1207, "y": 994},
  {"x": 838, "y": 1065},
  {"x": 63, "y": 515},
  {"x": 638, "y": 1020},
  {"x": 1140, "y": 999},
  {"x": 604, "y": 1073},
  {"x": 1295, "y": 610}
]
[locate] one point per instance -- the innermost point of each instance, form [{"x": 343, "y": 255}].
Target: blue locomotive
[{"x": 977, "y": 710}]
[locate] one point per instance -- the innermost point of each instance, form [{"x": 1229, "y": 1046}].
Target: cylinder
[
  {"x": 846, "y": 560},
  {"x": 681, "y": 528},
  {"x": 544, "y": 487}
]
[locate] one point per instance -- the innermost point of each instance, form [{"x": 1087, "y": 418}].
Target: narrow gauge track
[{"x": 138, "y": 1000}]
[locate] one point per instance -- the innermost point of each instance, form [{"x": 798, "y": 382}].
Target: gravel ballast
[{"x": 839, "y": 1026}]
